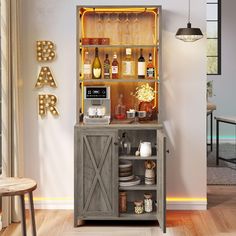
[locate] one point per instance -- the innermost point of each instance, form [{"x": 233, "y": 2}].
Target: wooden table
[
  {"x": 228, "y": 120},
  {"x": 20, "y": 187}
]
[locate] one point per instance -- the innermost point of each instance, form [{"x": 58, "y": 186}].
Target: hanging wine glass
[
  {"x": 136, "y": 29},
  {"x": 127, "y": 29},
  {"x": 108, "y": 27},
  {"x": 100, "y": 25},
  {"x": 118, "y": 28}
]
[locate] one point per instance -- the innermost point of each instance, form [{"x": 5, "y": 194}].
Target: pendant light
[{"x": 189, "y": 34}]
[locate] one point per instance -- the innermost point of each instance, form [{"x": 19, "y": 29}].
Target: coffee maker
[{"x": 97, "y": 105}]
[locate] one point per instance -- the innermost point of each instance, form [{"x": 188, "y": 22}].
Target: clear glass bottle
[
  {"x": 115, "y": 67},
  {"x": 106, "y": 66},
  {"x": 128, "y": 65},
  {"x": 141, "y": 66},
  {"x": 87, "y": 67},
  {"x": 120, "y": 109},
  {"x": 150, "y": 68},
  {"x": 125, "y": 144}
]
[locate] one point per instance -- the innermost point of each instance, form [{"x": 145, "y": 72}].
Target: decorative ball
[{"x": 137, "y": 153}]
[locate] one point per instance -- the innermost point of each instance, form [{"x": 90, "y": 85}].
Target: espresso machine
[{"x": 97, "y": 105}]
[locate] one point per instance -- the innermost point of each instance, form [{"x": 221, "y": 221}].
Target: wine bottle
[
  {"x": 87, "y": 68},
  {"x": 150, "y": 68},
  {"x": 97, "y": 68},
  {"x": 141, "y": 65},
  {"x": 115, "y": 67},
  {"x": 106, "y": 66}
]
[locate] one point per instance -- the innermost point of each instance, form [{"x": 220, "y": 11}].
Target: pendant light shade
[{"x": 189, "y": 34}]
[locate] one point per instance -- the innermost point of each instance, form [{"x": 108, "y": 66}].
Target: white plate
[
  {"x": 136, "y": 181},
  {"x": 125, "y": 163},
  {"x": 131, "y": 177}
]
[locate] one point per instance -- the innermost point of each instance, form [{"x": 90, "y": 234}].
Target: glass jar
[
  {"x": 148, "y": 202},
  {"x": 123, "y": 202},
  {"x": 138, "y": 207}
]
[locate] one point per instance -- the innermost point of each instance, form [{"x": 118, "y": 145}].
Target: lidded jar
[
  {"x": 148, "y": 202},
  {"x": 138, "y": 207},
  {"x": 123, "y": 202}
]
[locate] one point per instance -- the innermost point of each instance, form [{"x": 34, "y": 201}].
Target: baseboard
[
  {"x": 194, "y": 205},
  {"x": 52, "y": 204},
  {"x": 69, "y": 205}
]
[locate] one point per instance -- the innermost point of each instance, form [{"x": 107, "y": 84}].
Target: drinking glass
[
  {"x": 127, "y": 30},
  {"x": 136, "y": 29},
  {"x": 117, "y": 22}
]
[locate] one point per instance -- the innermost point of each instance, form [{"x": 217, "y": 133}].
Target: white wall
[
  {"x": 49, "y": 142},
  {"x": 224, "y": 85}
]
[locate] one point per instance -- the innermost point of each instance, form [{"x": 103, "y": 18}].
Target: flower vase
[{"x": 148, "y": 107}]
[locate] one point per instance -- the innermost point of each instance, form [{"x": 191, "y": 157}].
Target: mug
[
  {"x": 92, "y": 111},
  {"x": 101, "y": 111}
]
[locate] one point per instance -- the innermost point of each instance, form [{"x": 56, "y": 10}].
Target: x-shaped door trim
[{"x": 97, "y": 173}]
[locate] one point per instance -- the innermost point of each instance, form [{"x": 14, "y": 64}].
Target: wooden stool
[{"x": 19, "y": 187}]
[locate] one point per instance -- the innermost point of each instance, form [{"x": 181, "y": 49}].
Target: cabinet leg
[{"x": 79, "y": 223}]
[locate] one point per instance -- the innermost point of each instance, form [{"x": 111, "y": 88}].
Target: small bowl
[
  {"x": 130, "y": 114},
  {"x": 142, "y": 114}
]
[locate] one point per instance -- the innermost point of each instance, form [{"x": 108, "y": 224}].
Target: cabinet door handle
[
  {"x": 168, "y": 151},
  {"x": 116, "y": 143}
]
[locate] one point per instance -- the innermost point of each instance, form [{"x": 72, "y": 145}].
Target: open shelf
[
  {"x": 120, "y": 46},
  {"x": 138, "y": 158},
  {"x": 121, "y": 80},
  {"x": 130, "y": 215},
  {"x": 140, "y": 187}
]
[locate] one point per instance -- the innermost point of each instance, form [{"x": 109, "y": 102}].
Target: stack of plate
[{"x": 126, "y": 176}]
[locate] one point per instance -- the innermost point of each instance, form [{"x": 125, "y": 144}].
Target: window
[{"x": 213, "y": 37}]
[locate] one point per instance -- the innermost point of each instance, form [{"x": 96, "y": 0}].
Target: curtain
[{"x": 12, "y": 115}]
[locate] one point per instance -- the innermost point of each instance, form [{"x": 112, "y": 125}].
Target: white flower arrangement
[{"x": 145, "y": 93}]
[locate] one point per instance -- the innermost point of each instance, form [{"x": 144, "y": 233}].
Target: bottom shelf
[{"x": 131, "y": 215}]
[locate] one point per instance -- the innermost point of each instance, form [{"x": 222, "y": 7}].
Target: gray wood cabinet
[{"x": 97, "y": 172}]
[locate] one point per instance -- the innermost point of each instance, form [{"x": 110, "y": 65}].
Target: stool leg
[
  {"x": 211, "y": 128},
  {"x": 32, "y": 214},
  {"x": 23, "y": 222},
  {"x": 217, "y": 142}
]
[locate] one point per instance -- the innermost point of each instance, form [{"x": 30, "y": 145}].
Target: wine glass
[
  {"x": 136, "y": 29},
  {"x": 100, "y": 25},
  {"x": 127, "y": 29},
  {"x": 118, "y": 28}
]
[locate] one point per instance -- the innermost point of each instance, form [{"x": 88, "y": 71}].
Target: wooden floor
[{"x": 219, "y": 219}]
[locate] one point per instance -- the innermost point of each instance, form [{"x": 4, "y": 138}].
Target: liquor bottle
[
  {"x": 150, "y": 68},
  {"x": 87, "y": 68},
  {"x": 128, "y": 64},
  {"x": 106, "y": 66},
  {"x": 97, "y": 68},
  {"x": 141, "y": 65},
  {"x": 115, "y": 67}
]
